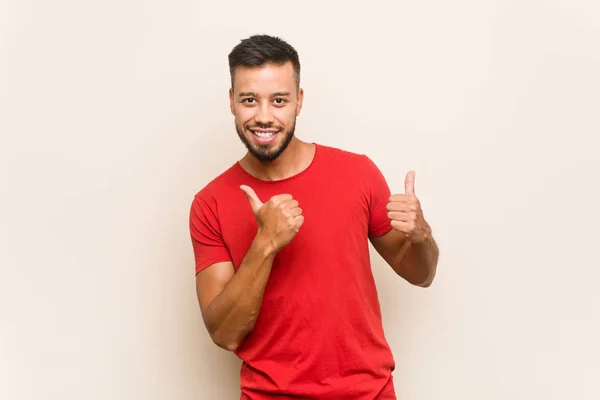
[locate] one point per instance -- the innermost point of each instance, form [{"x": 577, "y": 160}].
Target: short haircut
[{"x": 259, "y": 50}]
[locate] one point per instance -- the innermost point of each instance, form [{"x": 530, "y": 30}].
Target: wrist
[
  {"x": 424, "y": 238},
  {"x": 264, "y": 244}
]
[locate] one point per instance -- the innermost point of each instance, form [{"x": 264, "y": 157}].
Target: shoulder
[
  {"x": 337, "y": 152},
  {"x": 219, "y": 187},
  {"x": 343, "y": 157},
  {"x": 348, "y": 161}
]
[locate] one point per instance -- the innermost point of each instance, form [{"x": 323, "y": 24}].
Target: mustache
[{"x": 261, "y": 126}]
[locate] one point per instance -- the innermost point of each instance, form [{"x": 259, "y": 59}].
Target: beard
[{"x": 264, "y": 152}]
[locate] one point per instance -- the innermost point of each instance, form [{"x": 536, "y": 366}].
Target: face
[{"x": 265, "y": 103}]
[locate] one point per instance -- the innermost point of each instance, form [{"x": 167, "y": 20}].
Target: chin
[
  {"x": 269, "y": 151},
  {"x": 266, "y": 153}
]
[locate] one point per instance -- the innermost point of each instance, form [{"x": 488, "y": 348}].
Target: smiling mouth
[{"x": 263, "y": 134}]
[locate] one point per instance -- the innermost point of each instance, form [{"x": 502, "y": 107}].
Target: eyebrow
[{"x": 252, "y": 94}]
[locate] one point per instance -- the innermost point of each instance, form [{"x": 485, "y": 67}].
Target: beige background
[{"x": 114, "y": 113}]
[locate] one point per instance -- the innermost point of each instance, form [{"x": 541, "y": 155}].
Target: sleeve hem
[
  {"x": 381, "y": 231},
  {"x": 205, "y": 264}
]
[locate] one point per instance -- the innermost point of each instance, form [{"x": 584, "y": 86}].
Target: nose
[{"x": 264, "y": 116}]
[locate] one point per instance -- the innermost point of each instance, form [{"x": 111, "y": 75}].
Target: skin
[
  {"x": 267, "y": 98},
  {"x": 409, "y": 247}
]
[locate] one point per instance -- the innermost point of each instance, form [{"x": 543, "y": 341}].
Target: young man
[{"x": 281, "y": 246}]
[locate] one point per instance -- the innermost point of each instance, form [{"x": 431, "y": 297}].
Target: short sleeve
[
  {"x": 207, "y": 241},
  {"x": 379, "y": 195}
]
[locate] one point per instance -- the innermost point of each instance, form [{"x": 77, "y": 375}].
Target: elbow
[
  {"x": 225, "y": 341},
  {"x": 425, "y": 283},
  {"x": 427, "y": 280},
  {"x": 229, "y": 345},
  {"x": 421, "y": 280},
  {"x": 227, "y": 337}
]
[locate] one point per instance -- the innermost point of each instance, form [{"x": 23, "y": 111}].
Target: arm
[
  {"x": 230, "y": 302},
  {"x": 409, "y": 247},
  {"x": 415, "y": 262}
]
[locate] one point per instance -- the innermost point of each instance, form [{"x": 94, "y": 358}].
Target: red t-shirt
[{"x": 319, "y": 332}]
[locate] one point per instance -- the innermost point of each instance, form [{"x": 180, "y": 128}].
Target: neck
[{"x": 295, "y": 158}]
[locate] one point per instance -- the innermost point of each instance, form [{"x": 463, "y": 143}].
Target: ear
[
  {"x": 300, "y": 100},
  {"x": 231, "y": 101}
]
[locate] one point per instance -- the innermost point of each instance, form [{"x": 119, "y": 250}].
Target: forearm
[
  {"x": 232, "y": 314},
  {"x": 417, "y": 262}
]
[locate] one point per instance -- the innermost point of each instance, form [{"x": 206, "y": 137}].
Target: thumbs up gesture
[
  {"x": 405, "y": 214},
  {"x": 279, "y": 219}
]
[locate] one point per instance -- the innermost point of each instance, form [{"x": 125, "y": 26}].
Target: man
[{"x": 281, "y": 246}]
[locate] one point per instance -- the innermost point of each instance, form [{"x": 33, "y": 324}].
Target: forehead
[{"x": 268, "y": 78}]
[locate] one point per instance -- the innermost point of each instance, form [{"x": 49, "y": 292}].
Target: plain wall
[{"x": 114, "y": 114}]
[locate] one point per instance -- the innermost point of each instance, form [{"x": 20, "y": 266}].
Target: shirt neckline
[{"x": 289, "y": 178}]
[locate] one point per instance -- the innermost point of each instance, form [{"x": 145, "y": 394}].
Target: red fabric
[{"x": 319, "y": 333}]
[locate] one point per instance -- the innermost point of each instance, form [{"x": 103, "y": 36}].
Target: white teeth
[{"x": 264, "y": 135}]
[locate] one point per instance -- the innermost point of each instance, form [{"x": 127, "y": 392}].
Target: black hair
[{"x": 258, "y": 50}]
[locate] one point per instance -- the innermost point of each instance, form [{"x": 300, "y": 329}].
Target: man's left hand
[{"x": 405, "y": 214}]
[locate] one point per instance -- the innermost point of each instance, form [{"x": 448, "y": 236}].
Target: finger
[
  {"x": 404, "y": 227},
  {"x": 409, "y": 183},
  {"x": 403, "y": 198},
  {"x": 402, "y": 216},
  {"x": 294, "y": 212},
  {"x": 299, "y": 221},
  {"x": 402, "y": 206},
  {"x": 288, "y": 204},
  {"x": 280, "y": 198},
  {"x": 255, "y": 202},
  {"x": 400, "y": 197}
]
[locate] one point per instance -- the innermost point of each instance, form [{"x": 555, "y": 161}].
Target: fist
[
  {"x": 279, "y": 219},
  {"x": 405, "y": 214}
]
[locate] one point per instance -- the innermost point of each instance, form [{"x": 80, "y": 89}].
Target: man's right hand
[{"x": 279, "y": 219}]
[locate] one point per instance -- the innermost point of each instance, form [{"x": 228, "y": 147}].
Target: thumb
[
  {"x": 255, "y": 202},
  {"x": 409, "y": 183}
]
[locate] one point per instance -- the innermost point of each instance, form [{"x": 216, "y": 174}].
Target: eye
[
  {"x": 280, "y": 101},
  {"x": 248, "y": 100}
]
